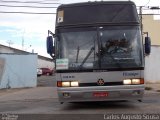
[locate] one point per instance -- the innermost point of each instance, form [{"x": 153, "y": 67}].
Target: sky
[{"x": 29, "y": 31}]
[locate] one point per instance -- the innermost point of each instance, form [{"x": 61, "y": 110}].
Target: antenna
[
  {"x": 22, "y": 43},
  {"x": 23, "y": 39},
  {"x": 9, "y": 43}
]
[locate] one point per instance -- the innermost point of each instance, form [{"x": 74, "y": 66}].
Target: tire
[{"x": 47, "y": 74}]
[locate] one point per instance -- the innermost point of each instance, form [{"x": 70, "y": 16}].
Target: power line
[
  {"x": 150, "y": 14},
  {"x": 25, "y": 6},
  {"x": 147, "y": 3},
  {"x": 51, "y": 0},
  {"x": 38, "y": 2},
  {"x": 26, "y": 12}
]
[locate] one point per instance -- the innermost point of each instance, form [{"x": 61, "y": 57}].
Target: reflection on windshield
[{"x": 107, "y": 47}]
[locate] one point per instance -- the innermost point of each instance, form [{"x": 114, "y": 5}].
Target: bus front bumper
[{"x": 101, "y": 93}]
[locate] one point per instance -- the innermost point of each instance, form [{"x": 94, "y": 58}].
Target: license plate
[{"x": 100, "y": 94}]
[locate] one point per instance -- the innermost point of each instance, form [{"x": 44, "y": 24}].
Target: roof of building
[{"x": 18, "y": 51}]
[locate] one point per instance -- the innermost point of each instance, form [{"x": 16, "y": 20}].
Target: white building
[
  {"x": 42, "y": 61},
  {"x": 18, "y": 70},
  {"x": 153, "y": 60}
]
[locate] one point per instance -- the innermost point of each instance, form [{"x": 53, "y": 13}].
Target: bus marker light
[
  {"x": 66, "y": 95},
  {"x": 142, "y": 81},
  {"x": 136, "y": 92},
  {"x": 59, "y": 84}
]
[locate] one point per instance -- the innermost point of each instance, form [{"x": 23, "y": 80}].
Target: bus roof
[
  {"x": 100, "y": 12},
  {"x": 96, "y": 3}
]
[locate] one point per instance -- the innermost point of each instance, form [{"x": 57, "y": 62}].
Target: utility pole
[
  {"x": 22, "y": 43},
  {"x": 23, "y": 39},
  {"x": 10, "y": 43},
  {"x": 140, "y": 13}
]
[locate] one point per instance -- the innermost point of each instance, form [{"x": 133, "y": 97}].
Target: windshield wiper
[
  {"x": 78, "y": 49},
  {"x": 85, "y": 59}
]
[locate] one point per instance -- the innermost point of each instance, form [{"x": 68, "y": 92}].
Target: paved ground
[
  {"x": 46, "y": 81},
  {"x": 29, "y": 94},
  {"x": 153, "y": 86},
  {"x": 43, "y": 100}
]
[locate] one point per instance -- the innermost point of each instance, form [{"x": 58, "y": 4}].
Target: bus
[{"x": 99, "y": 52}]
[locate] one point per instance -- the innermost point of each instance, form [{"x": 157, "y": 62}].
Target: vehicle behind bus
[{"x": 98, "y": 52}]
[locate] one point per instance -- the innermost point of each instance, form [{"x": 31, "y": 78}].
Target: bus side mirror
[
  {"x": 50, "y": 47},
  {"x": 147, "y": 45}
]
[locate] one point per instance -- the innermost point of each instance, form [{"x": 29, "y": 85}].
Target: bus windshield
[{"x": 103, "y": 47}]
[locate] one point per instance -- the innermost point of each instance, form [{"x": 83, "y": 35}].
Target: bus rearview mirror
[
  {"x": 147, "y": 45},
  {"x": 50, "y": 47}
]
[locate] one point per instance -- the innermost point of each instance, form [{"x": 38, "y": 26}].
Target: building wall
[
  {"x": 5, "y": 50},
  {"x": 152, "y": 65},
  {"x": 18, "y": 71},
  {"x": 45, "y": 64},
  {"x": 42, "y": 61},
  {"x": 152, "y": 27}
]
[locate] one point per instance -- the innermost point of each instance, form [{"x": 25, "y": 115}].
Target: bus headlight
[
  {"x": 135, "y": 81},
  {"x": 127, "y": 82},
  {"x": 74, "y": 84},
  {"x": 65, "y": 84}
]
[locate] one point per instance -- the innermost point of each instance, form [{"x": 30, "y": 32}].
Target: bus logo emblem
[{"x": 100, "y": 82}]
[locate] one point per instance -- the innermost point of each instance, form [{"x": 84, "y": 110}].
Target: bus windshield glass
[{"x": 103, "y": 47}]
